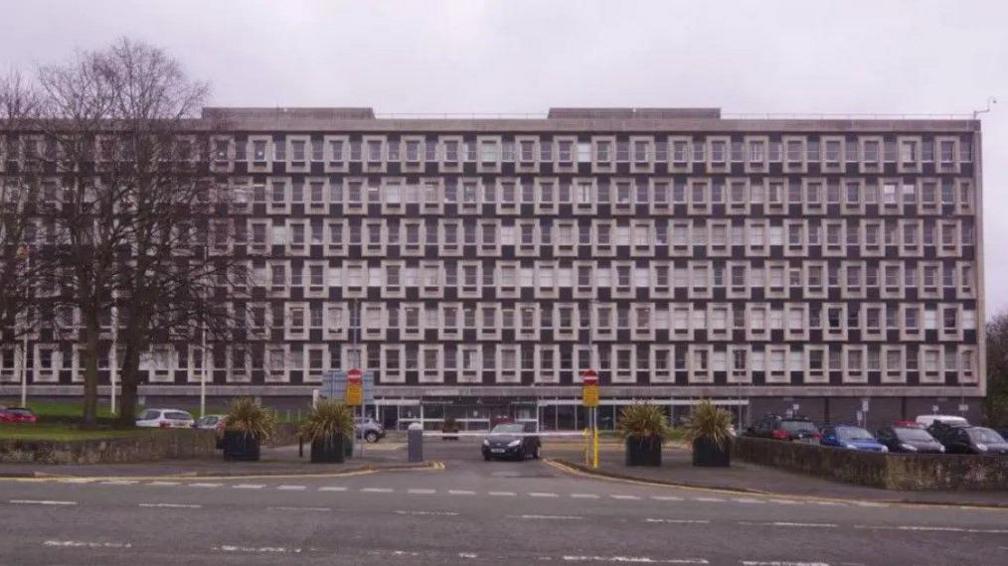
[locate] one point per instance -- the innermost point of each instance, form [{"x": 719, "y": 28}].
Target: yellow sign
[
  {"x": 590, "y": 395},
  {"x": 354, "y": 394}
]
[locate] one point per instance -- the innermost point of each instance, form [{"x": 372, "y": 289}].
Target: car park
[
  {"x": 800, "y": 429},
  {"x": 909, "y": 437},
  {"x": 516, "y": 441},
  {"x": 369, "y": 429},
  {"x": 164, "y": 418},
  {"x": 17, "y": 415},
  {"x": 851, "y": 438},
  {"x": 969, "y": 439}
]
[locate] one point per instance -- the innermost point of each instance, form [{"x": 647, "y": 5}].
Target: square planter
[
  {"x": 707, "y": 453},
  {"x": 643, "y": 451},
  {"x": 239, "y": 445},
  {"x": 331, "y": 449}
]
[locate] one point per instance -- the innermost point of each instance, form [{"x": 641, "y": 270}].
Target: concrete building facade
[{"x": 477, "y": 266}]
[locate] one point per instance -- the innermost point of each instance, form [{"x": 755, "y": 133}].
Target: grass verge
[{"x": 60, "y": 432}]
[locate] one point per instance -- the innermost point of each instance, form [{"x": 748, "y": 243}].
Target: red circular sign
[
  {"x": 589, "y": 376},
  {"x": 353, "y": 375}
]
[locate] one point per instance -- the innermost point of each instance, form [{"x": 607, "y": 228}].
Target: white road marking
[
  {"x": 376, "y": 490},
  {"x": 260, "y": 549},
  {"x": 120, "y": 482},
  {"x": 679, "y": 521},
  {"x": 779, "y": 563},
  {"x": 419, "y": 491},
  {"x": 748, "y": 500},
  {"x": 461, "y": 492},
  {"x": 467, "y": 555},
  {"x": 584, "y": 496},
  {"x": 288, "y": 508},
  {"x": 830, "y": 503},
  {"x": 633, "y": 560},
  {"x": 870, "y": 504},
  {"x": 792, "y": 524},
  {"x": 291, "y": 487},
  {"x": 709, "y": 499},
  {"x": 927, "y": 528},
  {"x": 623, "y": 497},
  {"x": 76, "y": 480},
  {"x": 542, "y": 494},
  {"x": 784, "y": 501},
  {"x": 41, "y": 502},
  {"x": 248, "y": 486},
  {"x": 204, "y": 484},
  {"x": 552, "y": 517},
  {"x": 333, "y": 488},
  {"x": 87, "y": 544},
  {"x": 502, "y": 493},
  {"x": 163, "y": 483},
  {"x": 428, "y": 513},
  {"x": 666, "y": 498},
  {"x": 172, "y": 505}
]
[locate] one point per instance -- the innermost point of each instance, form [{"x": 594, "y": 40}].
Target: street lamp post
[{"x": 25, "y": 253}]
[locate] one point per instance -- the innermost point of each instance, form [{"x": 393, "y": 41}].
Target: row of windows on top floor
[{"x": 638, "y": 149}]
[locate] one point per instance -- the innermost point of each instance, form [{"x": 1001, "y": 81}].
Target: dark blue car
[{"x": 850, "y": 438}]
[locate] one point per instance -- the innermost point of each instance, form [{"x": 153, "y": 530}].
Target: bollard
[{"x": 414, "y": 442}]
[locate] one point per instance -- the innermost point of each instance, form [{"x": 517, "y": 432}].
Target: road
[{"x": 471, "y": 512}]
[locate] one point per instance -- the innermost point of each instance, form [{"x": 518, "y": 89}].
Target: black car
[
  {"x": 778, "y": 427},
  {"x": 968, "y": 439},
  {"x": 511, "y": 440},
  {"x": 913, "y": 439}
]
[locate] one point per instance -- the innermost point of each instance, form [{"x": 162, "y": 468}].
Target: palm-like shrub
[
  {"x": 328, "y": 419},
  {"x": 247, "y": 416},
  {"x": 708, "y": 422},
  {"x": 644, "y": 421}
]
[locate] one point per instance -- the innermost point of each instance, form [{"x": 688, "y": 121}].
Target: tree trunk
[
  {"x": 92, "y": 332},
  {"x": 130, "y": 378}
]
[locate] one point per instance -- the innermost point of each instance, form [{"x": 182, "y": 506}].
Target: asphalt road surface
[{"x": 470, "y": 512}]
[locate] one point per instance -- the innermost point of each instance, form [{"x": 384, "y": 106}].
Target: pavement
[
  {"x": 677, "y": 469},
  {"x": 468, "y": 511}
]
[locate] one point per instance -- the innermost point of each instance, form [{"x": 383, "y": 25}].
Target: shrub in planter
[
  {"x": 450, "y": 428},
  {"x": 708, "y": 429},
  {"x": 248, "y": 425},
  {"x": 644, "y": 428},
  {"x": 330, "y": 428}
]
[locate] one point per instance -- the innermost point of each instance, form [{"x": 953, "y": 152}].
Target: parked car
[
  {"x": 209, "y": 422},
  {"x": 969, "y": 439},
  {"x": 909, "y": 437},
  {"x": 369, "y": 429},
  {"x": 928, "y": 420},
  {"x": 164, "y": 418},
  {"x": 511, "y": 440},
  {"x": 851, "y": 438},
  {"x": 800, "y": 429},
  {"x": 17, "y": 415}
]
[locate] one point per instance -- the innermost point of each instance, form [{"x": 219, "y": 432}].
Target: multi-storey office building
[{"x": 481, "y": 264}]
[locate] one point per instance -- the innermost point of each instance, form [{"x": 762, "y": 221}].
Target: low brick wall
[
  {"x": 886, "y": 471},
  {"x": 153, "y": 445}
]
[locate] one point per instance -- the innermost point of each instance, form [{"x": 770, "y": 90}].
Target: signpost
[
  {"x": 355, "y": 398},
  {"x": 590, "y": 399}
]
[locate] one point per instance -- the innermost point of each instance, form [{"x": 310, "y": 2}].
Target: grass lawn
[{"x": 60, "y": 432}]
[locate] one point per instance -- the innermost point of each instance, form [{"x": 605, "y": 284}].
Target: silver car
[{"x": 369, "y": 429}]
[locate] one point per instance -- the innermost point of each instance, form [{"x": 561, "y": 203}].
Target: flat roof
[{"x": 571, "y": 120}]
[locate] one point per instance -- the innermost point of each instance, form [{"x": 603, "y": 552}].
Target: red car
[{"x": 17, "y": 415}]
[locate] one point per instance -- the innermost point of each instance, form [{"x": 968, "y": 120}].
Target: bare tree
[
  {"x": 20, "y": 192},
  {"x": 996, "y": 402}
]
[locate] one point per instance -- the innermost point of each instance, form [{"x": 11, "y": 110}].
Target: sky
[{"x": 524, "y": 56}]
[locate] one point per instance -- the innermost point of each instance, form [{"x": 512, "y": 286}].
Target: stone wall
[
  {"x": 886, "y": 471},
  {"x": 148, "y": 446}
]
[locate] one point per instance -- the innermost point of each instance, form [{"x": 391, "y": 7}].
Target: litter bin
[{"x": 414, "y": 442}]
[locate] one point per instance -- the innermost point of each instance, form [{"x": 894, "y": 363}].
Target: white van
[{"x": 928, "y": 420}]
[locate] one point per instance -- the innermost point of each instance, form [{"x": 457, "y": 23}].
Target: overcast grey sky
[{"x": 525, "y": 56}]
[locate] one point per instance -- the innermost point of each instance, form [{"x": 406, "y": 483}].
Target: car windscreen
[
  {"x": 798, "y": 426},
  {"x": 21, "y": 412},
  {"x": 913, "y": 434},
  {"x": 984, "y": 435},
  {"x": 853, "y": 433},
  {"x": 148, "y": 415},
  {"x": 508, "y": 429}
]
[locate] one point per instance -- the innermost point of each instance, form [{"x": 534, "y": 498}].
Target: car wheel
[
  {"x": 535, "y": 453},
  {"x": 486, "y": 457},
  {"x": 371, "y": 436}
]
